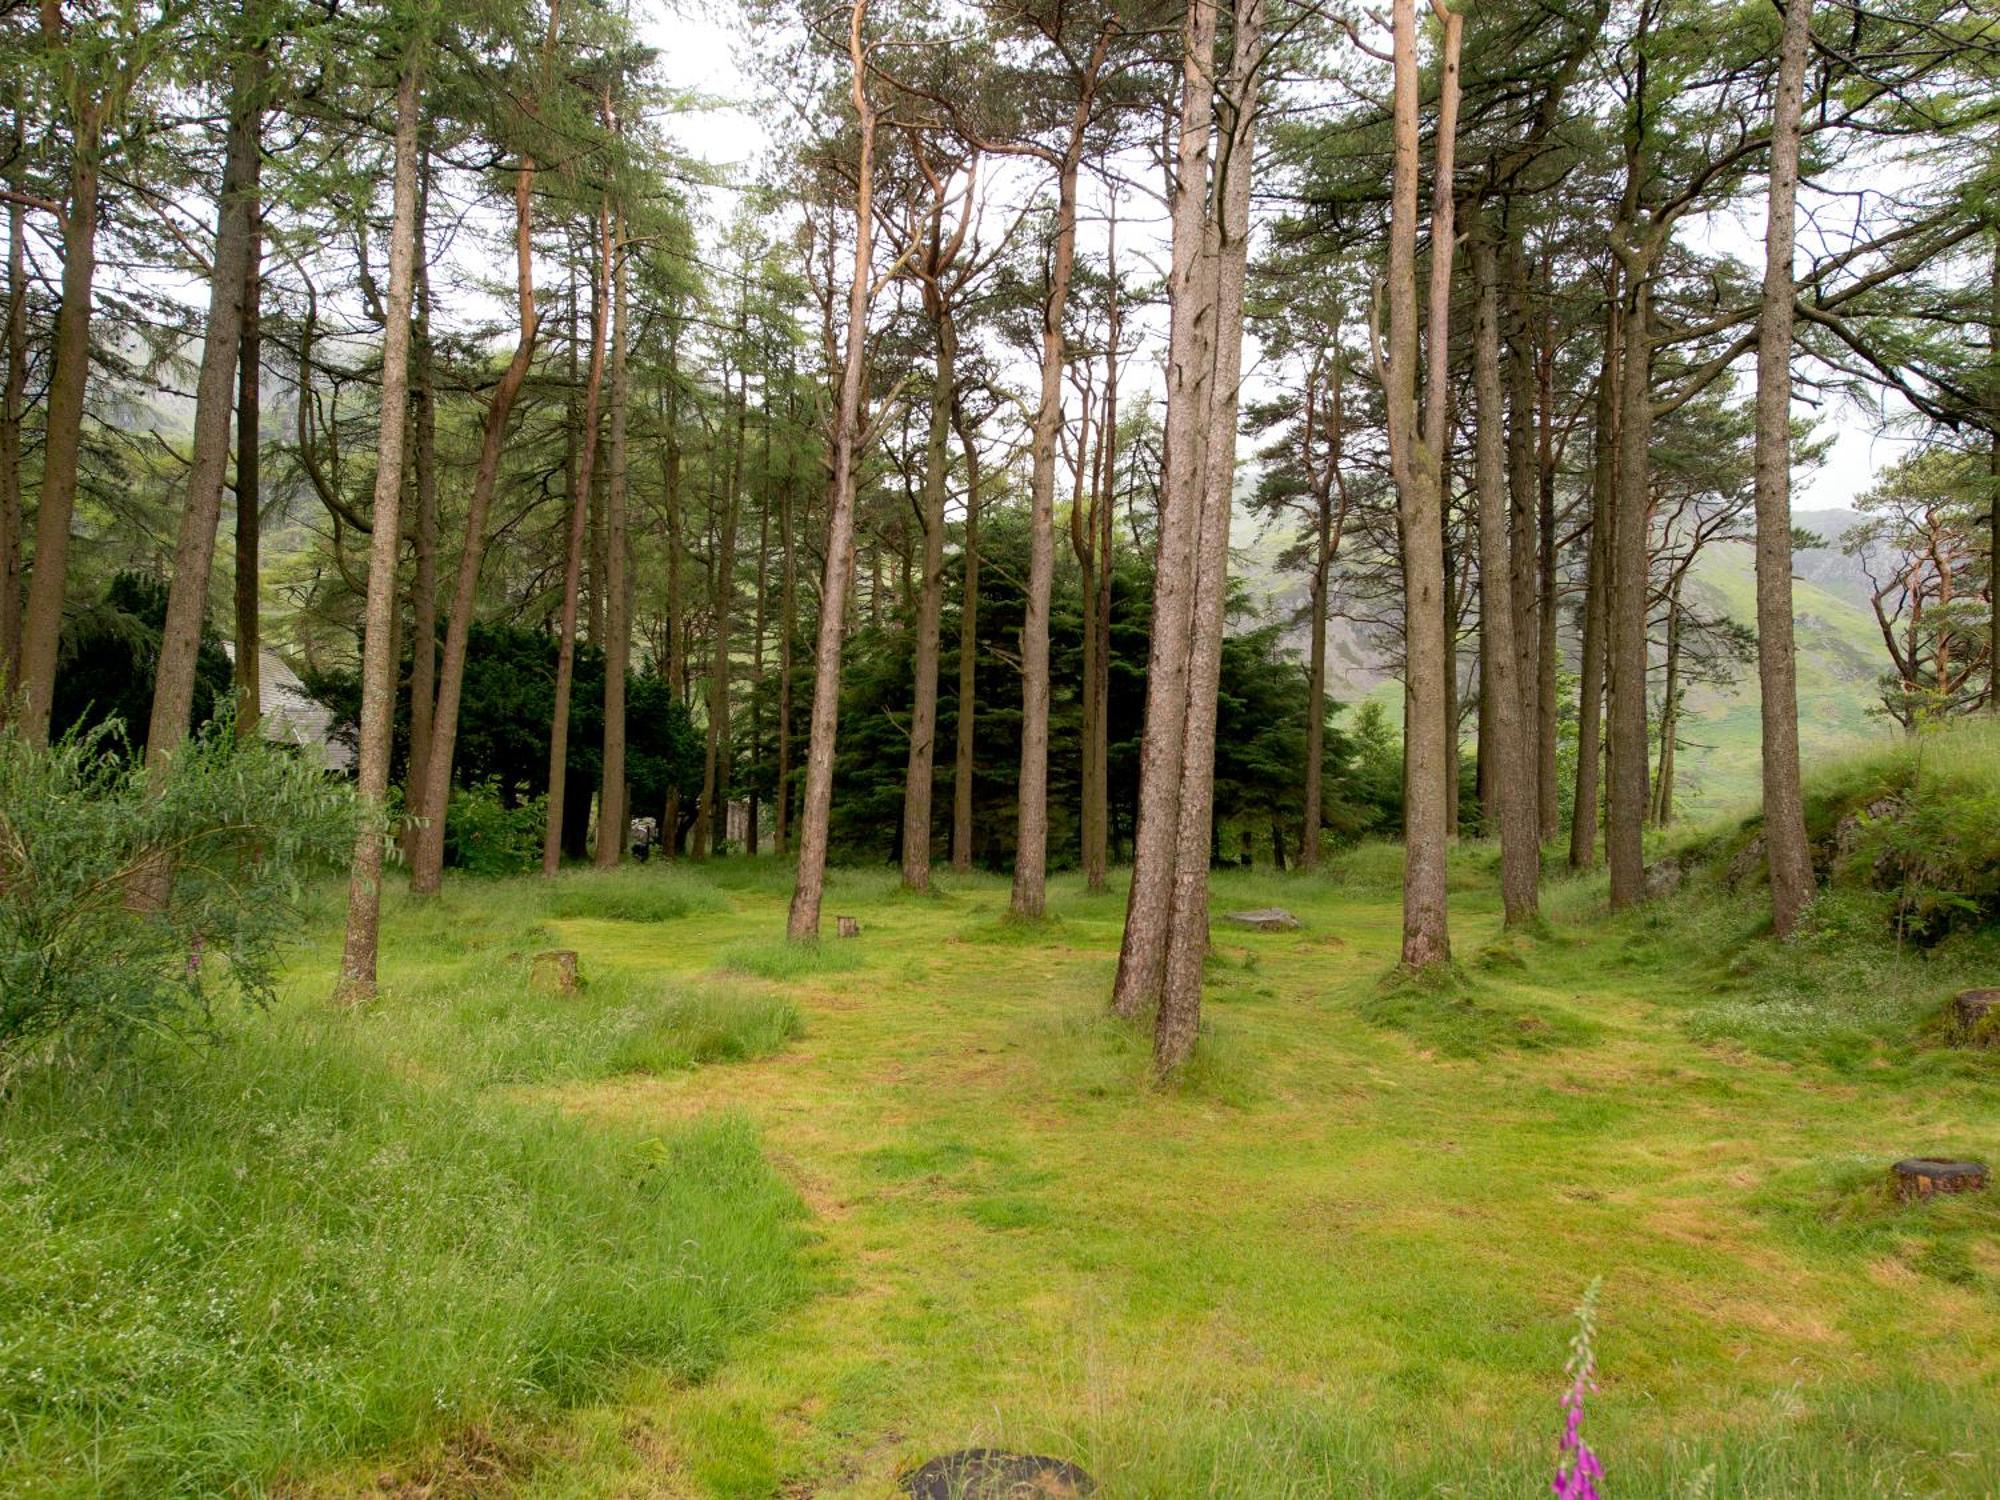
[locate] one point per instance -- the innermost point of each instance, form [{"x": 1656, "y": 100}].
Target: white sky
[{"x": 697, "y": 54}]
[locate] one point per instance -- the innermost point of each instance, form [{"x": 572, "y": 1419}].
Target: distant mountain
[{"x": 1840, "y": 656}]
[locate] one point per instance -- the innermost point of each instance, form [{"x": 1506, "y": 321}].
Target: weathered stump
[
  {"x": 1920, "y": 1177},
  {"x": 554, "y": 972},
  {"x": 989, "y": 1474},
  {"x": 847, "y": 927},
  {"x": 1264, "y": 919},
  {"x": 1975, "y": 1017}
]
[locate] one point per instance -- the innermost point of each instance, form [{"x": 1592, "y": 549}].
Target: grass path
[{"x": 1342, "y": 1260}]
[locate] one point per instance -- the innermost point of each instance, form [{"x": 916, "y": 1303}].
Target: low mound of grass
[
  {"x": 492, "y": 1027},
  {"x": 633, "y": 893},
  {"x": 779, "y": 959},
  {"x": 1452, "y": 1016},
  {"x": 222, "y": 1268}
]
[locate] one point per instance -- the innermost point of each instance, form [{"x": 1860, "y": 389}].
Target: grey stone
[{"x": 1265, "y": 919}]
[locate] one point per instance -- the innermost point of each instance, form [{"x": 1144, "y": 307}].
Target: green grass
[
  {"x": 1337, "y": 1259},
  {"x": 234, "y": 1265}
]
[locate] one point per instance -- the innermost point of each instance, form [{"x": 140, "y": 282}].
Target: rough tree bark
[
  {"x": 918, "y": 775},
  {"x": 246, "y": 585},
  {"x": 1184, "y": 470},
  {"x": 424, "y": 533},
  {"x": 573, "y": 559},
  {"x": 12, "y": 404},
  {"x": 62, "y": 438},
  {"x": 1500, "y": 661},
  {"x": 427, "y": 849},
  {"x": 802, "y": 922},
  {"x": 1596, "y": 589},
  {"x": 617, "y": 621},
  {"x": 1415, "y": 460},
  {"x": 713, "y": 825},
  {"x": 378, "y": 651},
  {"x": 1179, "y": 1018},
  {"x": 215, "y": 395},
  {"x": 968, "y": 660},
  {"x": 1627, "y": 784},
  {"x": 1031, "y": 839},
  {"x": 1785, "y": 848}
]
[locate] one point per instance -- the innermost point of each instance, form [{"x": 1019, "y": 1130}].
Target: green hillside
[{"x": 1840, "y": 657}]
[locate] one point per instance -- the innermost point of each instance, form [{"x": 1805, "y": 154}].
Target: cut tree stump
[
  {"x": 989, "y": 1474},
  {"x": 1265, "y": 919},
  {"x": 1921, "y": 1177},
  {"x": 554, "y": 972},
  {"x": 847, "y": 926},
  {"x": 1975, "y": 1016}
]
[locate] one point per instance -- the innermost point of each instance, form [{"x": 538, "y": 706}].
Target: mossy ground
[{"x": 1338, "y": 1259}]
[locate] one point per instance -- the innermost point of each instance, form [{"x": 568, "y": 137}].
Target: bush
[
  {"x": 484, "y": 836},
  {"x": 233, "y": 828}
]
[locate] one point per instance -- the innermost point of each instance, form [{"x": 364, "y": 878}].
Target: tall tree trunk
[
  {"x": 427, "y": 850},
  {"x": 1179, "y": 1018},
  {"x": 378, "y": 649},
  {"x": 215, "y": 394},
  {"x": 579, "y": 510},
  {"x": 62, "y": 437},
  {"x": 424, "y": 582},
  {"x": 1549, "y": 582},
  {"x": 1627, "y": 782},
  {"x": 1142, "y": 949},
  {"x": 670, "y": 463},
  {"x": 1416, "y": 461},
  {"x": 1596, "y": 592},
  {"x": 1031, "y": 840},
  {"x": 968, "y": 661},
  {"x": 713, "y": 827},
  {"x": 802, "y": 922},
  {"x": 918, "y": 775},
  {"x": 1083, "y": 545},
  {"x": 248, "y": 668},
  {"x": 611, "y": 819},
  {"x": 762, "y": 620},
  {"x": 1523, "y": 509},
  {"x": 1660, "y": 810},
  {"x": 788, "y": 589},
  {"x": 1785, "y": 848},
  {"x": 12, "y": 404},
  {"x": 1500, "y": 660},
  {"x": 1097, "y": 751}
]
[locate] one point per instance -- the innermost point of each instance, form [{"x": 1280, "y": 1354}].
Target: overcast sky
[{"x": 698, "y": 55}]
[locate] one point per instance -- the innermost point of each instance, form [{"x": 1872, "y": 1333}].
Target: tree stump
[
  {"x": 846, "y": 927},
  {"x": 554, "y": 972},
  {"x": 1975, "y": 1017},
  {"x": 1920, "y": 1177},
  {"x": 1264, "y": 919},
  {"x": 989, "y": 1474}
]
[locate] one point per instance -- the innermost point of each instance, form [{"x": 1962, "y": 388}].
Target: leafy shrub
[
  {"x": 484, "y": 836},
  {"x": 233, "y": 827}
]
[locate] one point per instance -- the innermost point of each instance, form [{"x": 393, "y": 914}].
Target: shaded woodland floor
[{"x": 1339, "y": 1261}]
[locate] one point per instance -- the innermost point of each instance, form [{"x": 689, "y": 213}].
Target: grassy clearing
[{"x": 1337, "y": 1260}]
